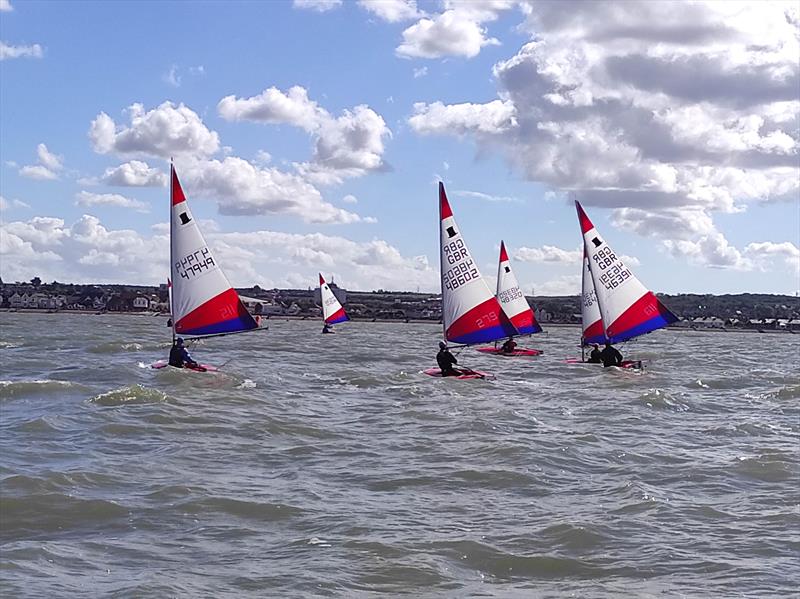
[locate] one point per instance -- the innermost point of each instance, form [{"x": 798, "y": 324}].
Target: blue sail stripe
[
  {"x": 648, "y": 326},
  {"x": 482, "y": 335},
  {"x": 226, "y": 326}
]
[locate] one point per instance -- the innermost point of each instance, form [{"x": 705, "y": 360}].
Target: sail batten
[
  {"x": 627, "y": 308},
  {"x": 203, "y": 301},
  {"x": 470, "y": 313}
]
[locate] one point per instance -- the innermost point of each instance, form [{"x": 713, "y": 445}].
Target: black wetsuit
[
  {"x": 179, "y": 356},
  {"x": 445, "y": 360},
  {"x": 508, "y": 347},
  {"x": 596, "y": 356},
  {"x": 611, "y": 356}
]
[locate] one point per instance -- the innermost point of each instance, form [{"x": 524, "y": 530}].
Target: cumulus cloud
[
  {"x": 8, "y": 51},
  {"x": 765, "y": 254},
  {"x": 88, "y": 251},
  {"x": 451, "y": 33},
  {"x": 37, "y": 171},
  {"x": 548, "y": 253},
  {"x": 5, "y": 6},
  {"x": 345, "y": 146},
  {"x": 317, "y": 5},
  {"x": 461, "y": 119},
  {"x": 134, "y": 174},
  {"x": 168, "y": 130},
  {"x": 392, "y": 11},
  {"x": 85, "y": 198},
  {"x": 48, "y": 168},
  {"x": 666, "y": 112},
  {"x": 242, "y": 188}
]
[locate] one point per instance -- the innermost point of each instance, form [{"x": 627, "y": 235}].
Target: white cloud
[
  {"x": 765, "y": 253},
  {"x": 350, "y": 199},
  {"x": 563, "y": 285},
  {"x": 9, "y": 204},
  {"x": 452, "y": 33},
  {"x": 37, "y": 172},
  {"x": 317, "y": 5},
  {"x": 392, "y": 11},
  {"x": 165, "y": 131},
  {"x": 87, "y": 251},
  {"x": 85, "y": 198},
  {"x": 461, "y": 119},
  {"x": 48, "y": 159},
  {"x": 548, "y": 253},
  {"x": 485, "y": 197},
  {"x": 273, "y": 106},
  {"x": 47, "y": 169},
  {"x": 662, "y": 110},
  {"x": 172, "y": 77},
  {"x": 5, "y": 6},
  {"x": 33, "y": 51},
  {"x": 344, "y": 146},
  {"x": 134, "y": 174},
  {"x": 242, "y": 188},
  {"x": 420, "y": 72}
]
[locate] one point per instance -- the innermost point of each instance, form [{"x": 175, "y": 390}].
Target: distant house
[{"x": 140, "y": 302}]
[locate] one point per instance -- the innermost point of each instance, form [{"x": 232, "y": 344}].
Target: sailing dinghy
[
  {"x": 515, "y": 307},
  {"x": 627, "y": 308},
  {"x": 332, "y": 311},
  {"x": 470, "y": 313},
  {"x": 202, "y": 301}
]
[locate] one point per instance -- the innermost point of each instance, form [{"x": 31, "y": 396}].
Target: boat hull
[
  {"x": 465, "y": 373},
  {"x": 200, "y": 368},
  {"x": 519, "y": 351}
]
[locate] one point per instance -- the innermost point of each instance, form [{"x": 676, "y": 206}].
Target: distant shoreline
[{"x": 288, "y": 317}]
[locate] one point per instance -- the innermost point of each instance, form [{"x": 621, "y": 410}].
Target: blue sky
[{"x": 309, "y": 137}]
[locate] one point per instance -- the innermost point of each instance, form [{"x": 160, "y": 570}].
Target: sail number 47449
[{"x": 195, "y": 263}]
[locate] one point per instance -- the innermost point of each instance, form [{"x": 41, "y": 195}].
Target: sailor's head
[
  {"x": 179, "y": 341},
  {"x": 608, "y": 344},
  {"x": 442, "y": 345},
  {"x": 594, "y": 345}
]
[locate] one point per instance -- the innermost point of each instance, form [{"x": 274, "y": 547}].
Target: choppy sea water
[{"x": 329, "y": 466}]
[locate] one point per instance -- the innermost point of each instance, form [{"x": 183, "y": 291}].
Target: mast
[
  {"x": 171, "y": 228},
  {"x": 441, "y": 267}
]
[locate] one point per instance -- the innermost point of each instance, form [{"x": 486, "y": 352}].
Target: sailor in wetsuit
[
  {"x": 596, "y": 356},
  {"x": 509, "y": 346},
  {"x": 610, "y": 356},
  {"x": 445, "y": 360},
  {"x": 326, "y": 328},
  {"x": 179, "y": 356}
]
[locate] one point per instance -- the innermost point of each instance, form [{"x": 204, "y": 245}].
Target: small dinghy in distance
[
  {"x": 515, "y": 307},
  {"x": 202, "y": 301},
  {"x": 332, "y": 311},
  {"x": 470, "y": 313}
]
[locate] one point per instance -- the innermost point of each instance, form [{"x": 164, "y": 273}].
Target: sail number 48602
[{"x": 458, "y": 275}]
